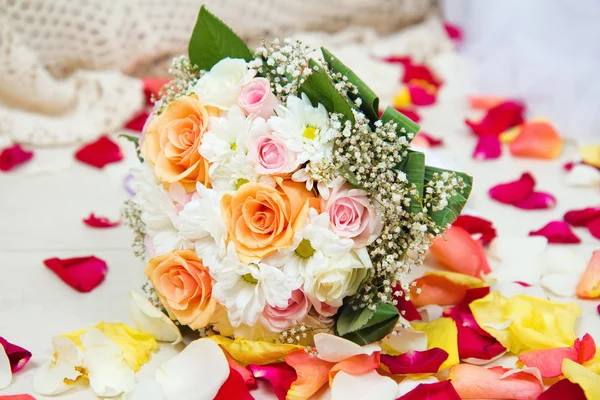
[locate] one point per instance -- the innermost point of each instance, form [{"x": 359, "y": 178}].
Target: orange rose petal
[
  {"x": 484, "y": 102},
  {"x": 548, "y": 361},
  {"x": 437, "y": 290},
  {"x": 356, "y": 365},
  {"x": 312, "y": 374},
  {"x": 589, "y": 285},
  {"x": 457, "y": 251},
  {"x": 537, "y": 140},
  {"x": 475, "y": 382}
]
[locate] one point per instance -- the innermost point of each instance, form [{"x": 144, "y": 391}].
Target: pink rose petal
[
  {"x": 280, "y": 375},
  {"x": 415, "y": 362},
  {"x": 488, "y": 148},
  {"x": 17, "y": 397},
  {"x": 100, "y": 222},
  {"x": 557, "y": 232},
  {"x": 17, "y": 356},
  {"x": 537, "y": 201},
  {"x": 234, "y": 388},
  {"x": 581, "y": 217},
  {"x": 82, "y": 274},
  {"x": 432, "y": 391},
  {"x": 99, "y": 153},
  {"x": 548, "y": 361},
  {"x": 498, "y": 119},
  {"x": 14, "y": 156},
  {"x": 422, "y": 94},
  {"x": 137, "y": 122},
  {"x": 586, "y": 348},
  {"x": 477, "y": 226},
  {"x": 563, "y": 390},
  {"x": 515, "y": 191},
  {"x": 594, "y": 227}
]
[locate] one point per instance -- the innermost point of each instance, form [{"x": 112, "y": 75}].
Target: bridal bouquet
[{"x": 275, "y": 202}]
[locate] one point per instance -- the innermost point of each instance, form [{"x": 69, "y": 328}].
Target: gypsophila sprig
[
  {"x": 184, "y": 76},
  {"x": 132, "y": 214}
]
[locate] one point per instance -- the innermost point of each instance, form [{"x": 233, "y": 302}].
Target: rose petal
[
  {"x": 280, "y": 375},
  {"x": 537, "y": 201},
  {"x": 488, "y": 147},
  {"x": 356, "y": 365},
  {"x": 410, "y": 114},
  {"x": 416, "y": 72},
  {"x": 562, "y": 285},
  {"x": 506, "y": 247},
  {"x": 561, "y": 260},
  {"x": 453, "y": 31},
  {"x": 537, "y": 140},
  {"x": 366, "y": 386},
  {"x": 426, "y": 140},
  {"x": 152, "y": 86},
  {"x": 474, "y": 382},
  {"x": 100, "y": 222},
  {"x": 476, "y": 226},
  {"x": 509, "y": 135},
  {"x": 498, "y": 119},
  {"x": 430, "y": 312},
  {"x": 99, "y": 153},
  {"x": 14, "y": 156},
  {"x": 526, "y": 269},
  {"x": 581, "y": 217},
  {"x": 137, "y": 121},
  {"x": 82, "y": 274},
  {"x": 254, "y": 351},
  {"x": 312, "y": 373},
  {"x": 147, "y": 390},
  {"x": 405, "y": 340},
  {"x": 590, "y": 154},
  {"x": 63, "y": 372},
  {"x": 405, "y": 307},
  {"x": 5, "y": 369},
  {"x": 409, "y": 384},
  {"x": 586, "y": 348},
  {"x": 589, "y": 285},
  {"x": 17, "y": 397},
  {"x": 557, "y": 232},
  {"x": 443, "y": 288},
  {"x": 441, "y": 333},
  {"x": 476, "y": 347},
  {"x": 432, "y": 391},
  {"x": 234, "y": 388},
  {"x": 150, "y": 320},
  {"x": 548, "y": 361},
  {"x": 588, "y": 380},
  {"x": 18, "y": 356},
  {"x": 484, "y": 102},
  {"x": 422, "y": 93},
  {"x": 334, "y": 349},
  {"x": 415, "y": 362},
  {"x": 563, "y": 390},
  {"x": 515, "y": 191},
  {"x": 457, "y": 251},
  {"x": 594, "y": 228},
  {"x": 583, "y": 175}
]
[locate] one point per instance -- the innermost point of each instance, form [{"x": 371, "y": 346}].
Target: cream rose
[{"x": 279, "y": 319}]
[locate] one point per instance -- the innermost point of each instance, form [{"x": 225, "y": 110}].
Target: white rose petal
[
  {"x": 560, "y": 260},
  {"x": 583, "y": 175},
  {"x": 563, "y": 285},
  {"x": 150, "y": 320},
  {"x": 505, "y": 248},
  {"x": 5, "y": 371},
  {"x": 221, "y": 86},
  {"x": 147, "y": 390},
  {"x": 333, "y": 348},
  {"x": 366, "y": 386},
  {"x": 51, "y": 378}
]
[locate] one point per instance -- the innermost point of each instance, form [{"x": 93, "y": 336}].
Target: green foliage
[
  {"x": 414, "y": 168},
  {"x": 365, "y": 326},
  {"x": 391, "y": 114},
  {"x": 455, "y": 204}
]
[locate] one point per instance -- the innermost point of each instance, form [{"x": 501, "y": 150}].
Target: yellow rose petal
[
  {"x": 443, "y": 334},
  {"x": 402, "y": 99},
  {"x": 588, "y": 380},
  {"x": 509, "y": 135},
  {"x": 594, "y": 364},
  {"x": 460, "y": 279},
  {"x": 254, "y": 351},
  {"x": 590, "y": 154}
]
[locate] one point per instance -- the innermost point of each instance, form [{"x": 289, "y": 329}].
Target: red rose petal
[
  {"x": 17, "y": 397},
  {"x": 422, "y": 94},
  {"x": 594, "y": 228},
  {"x": 598, "y": 308},
  {"x": 586, "y": 348},
  {"x": 415, "y": 362},
  {"x": 476, "y": 226},
  {"x": 406, "y": 308},
  {"x": 537, "y": 201},
  {"x": 137, "y": 122},
  {"x": 432, "y": 391},
  {"x": 515, "y": 191},
  {"x": 152, "y": 87},
  {"x": 498, "y": 119},
  {"x": 409, "y": 113},
  {"x": 234, "y": 388},
  {"x": 17, "y": 356},
  {"x": 99, "y": 153},
  {"x": 420, "y": 72},
  {"x": 557, "y": 232},
  {"x": 100, "y": 222},
  {"x": 581, "y": 217},
  {"x": 430, "y": 140},
  {"x": 280, "y": 375},
  {"x": 82, "y": 274},
  {"x": 563, "y": 390},
  {"x": 14, "y": 156},
  {"x": 459, "y": 252},
  {"x": 461, "y": 313},
  {"x": 488, "y": 148},
  {"x": 245, "y": 373},
  {"x": 454, "y": 32},
  {"x": 471, "y": 344}
]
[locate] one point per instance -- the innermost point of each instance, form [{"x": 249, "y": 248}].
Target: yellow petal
[
  {"x": 509, "y": 135},
  {"x": 590, "y": 154},
  {"x": 402, "y": 99},
  {"x": 254, "y": 351},
  {"x": 594, "y": 364},
  {"x": 524, "y": 323},
  {"x": 443, "y": 334},
  {"x": 588, "y": 380},
  {"x": 460, "y": 279}
]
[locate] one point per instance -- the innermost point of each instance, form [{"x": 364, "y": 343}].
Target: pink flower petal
[
  {"x": 82, "y": 274},
  {"x": 99, "y": 153},
  {"x": 594, "y": 227},
  {"x": 100, "y": 222},
  {"x": 515, "y": 191},
  {"x": 454, "y": 32},
  {"x": 586, "y": 348},
  {"x": 234, "y": 388},
  {"x": 581, "y": 217},
  {"x": 537, "y": 201},
  {"x": 415, "y": 362},
  {"x": 548, "y": 361},
  {"x": 480, "y": 227},
  {"x": 422, "y": 95},
  {"x": 563, "y": 390},
  {"x": 410, "y": 113},
  {"x": 14, "y": 156},
  {"x": 569, "y": 166},
  {"x": 137, "y": 122},
  {"x": 488, "y": 148},
  {"x": 498, "y": 119},
  {"x": 430, "y": 140},
  {"x": 459, "y": 252},
  {"x": 280, "y": 375},
  {"x": 406, "y": 308},
  {"x": 17, "y": 397},
  {"x": 474, "y": 382},
  {"x": 557, "y": 232},
  {"x": 18, "y": 356},
  {"x": 432, "y": 391}
]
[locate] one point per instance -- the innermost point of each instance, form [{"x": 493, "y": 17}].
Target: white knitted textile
[{"x": 66, "y": 65}]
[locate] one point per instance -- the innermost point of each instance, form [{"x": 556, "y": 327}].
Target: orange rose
[
  {"x": 172, "y": 140},
  {"x": 261, "y": 219},
  {"x": 184, "y": 287}
]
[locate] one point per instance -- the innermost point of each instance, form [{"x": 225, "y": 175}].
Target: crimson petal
[
  {"x": 137, "y": 122},
  {"x": 454, "y": 32},
  {"x": 82, "y": 274},
  {"x": 100, "y": 222},
  {"x": 17, "y": 397},
  {"x": 563, "y": 390},
  {"x": 14, "y": 156},
  {"x": 557, "y": 232},
  {"x": 586, "y": 348},
  {"x": 488, "y": 148},
  {"x": 581, "y": 217},
  {"x": 537, "y": 201},
  {"x": 594, "y": 227},
  {"x": 99, "y": 153},
  {"x": 515, "y": 191},
  {"x": 472, "y": 344},
  {"x": 420, "y": 95},
  {"x": 406, "y": 308},
  {"x": 475, "y": 225},
  {"x": 152, "y": 87},
  {"x": 432, "y": 391},
  {"x": 280, "y": 375},
  {"x": 415, "y": 362},
  {"x": 410, "y": 113},
  {"x": 234, "y": 388},
  {"x": 17, "y": 356},
  {"x": 498, "y": 119}
]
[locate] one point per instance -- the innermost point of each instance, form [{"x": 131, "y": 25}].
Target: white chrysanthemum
[
  {"x": 245, "y": 290},
  {"x": 221, "y": 86}
]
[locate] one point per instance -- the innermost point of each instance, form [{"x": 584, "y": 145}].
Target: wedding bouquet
[{"x": 274, "y": 200}]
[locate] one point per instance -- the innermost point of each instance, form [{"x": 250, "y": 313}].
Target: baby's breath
[
  {"x": 184, "y": 76},
  {"x": 132, "y": 215}
]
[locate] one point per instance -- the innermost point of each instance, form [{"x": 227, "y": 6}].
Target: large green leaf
[
  {"x": 414, "y": 168},
  {"x": 365, "y": 326},
  {"x": 319, "y": 89},
  {"x": 370, "y": 101},
  {"x": 391, "y": 114},
  {"x": 455, "y": 204},
  {"x": 212, "y": 40}
]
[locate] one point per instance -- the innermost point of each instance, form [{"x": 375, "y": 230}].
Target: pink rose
[
  {"x": 324, "y": 309},
  {"x": 278, "y": 320},
  {"x": 272, "y": 156},
  {"x": 351, "y": 214},
  {"x": 257, "y": 100}
]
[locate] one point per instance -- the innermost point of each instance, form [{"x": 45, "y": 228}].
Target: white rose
[{"x": 221, "y": 86}]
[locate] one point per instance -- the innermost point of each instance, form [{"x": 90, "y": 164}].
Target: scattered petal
[
  {"x": 498, "y": 119},
  {"x": 548, "y": 361},
  {"x": 475, "y": 226},
  {"x": 5, "y": 369},
  {"x": 484, "y": 102},
  {"x": 457, "y": 251},
  {"x": 583, "y": 175},
  {"x": 526, "y": 270},
  {"x": 146, "y": 390},
  {"x": 366, "y": 386},
  {"x": 405, "y": 307},
  {"x": 443, "y": 288},
  {"x": 422, "y": 93},
  {"x": 17, "y": 397},
  {"x": 244, "y": 372},
  {"x": 562, "y": 285},
  {"x": 356, "y": 365},
  {"x": 415, "y": 362},
  {"x": 563, "y": 390},
  {"x": 474, "y": 382},
  {"x": 488, "y": 148},
  {"x": 557, "y": 232},
  {"x": 426, "y": 140},
  {"x": 137, "y": 122},
  {"x": 537, "y": 139},
  {"x": 14, "y": 156},
  {"x": 280, "y": 375},
  {"x": 509, "y": 135},
  {"x": 234, "y": 388},
  {"x": 82, "y": 274},
  {"x": 254, "y": 351},
  {"x": 506, "y": 247},
  {"x": 588, "y": 380},
  {"x": 405, "y": 340},
  {"x": 586, "y": 348},
  {"x": 418, "y": 72},
  {"x": 430, "y": 312},
  {"x": 454, "y": 32},
  {"x": 63, "y": 372},
  {"x": 410, "y": 114},
  {"x": 442, "y": 334},
  {"x": 150, "y": 320},
  {"x": 432, "y": 391},
  {"x": 589, "y": 285},
  {"x": 152, "y": 87},
  {"x": 515, "y": 191},
  {"x": 590, "y": 154},
  {"x": 100, "y": 222},
  {"x": 594, "y": 228},
  {"x": 561, "y": 260},
  {"x": 312, "y": 373},
  {"x": 409, "y": 384},
  {"x": 334, "y": 349},
  {"x": 18, "y": 356},
  {"x": 99, "y": 153},
  {"x": 582, "y": 217},
  {"x": 537, "y": 201},
  {"x": 475, "y": 348}
]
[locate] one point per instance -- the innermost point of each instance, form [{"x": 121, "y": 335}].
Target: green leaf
[
  {"x": 403, "y": 122},
  {"x": 365, "y": 326},
  {"x": 212, "y": 40},
  {"x": 136, "y": 142},
  {"x": 455, "y": 204},
  {"x": 414, "y": 168},
  {"x": 319, "y": 89},
  {"x": 370, "y": 101}
]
